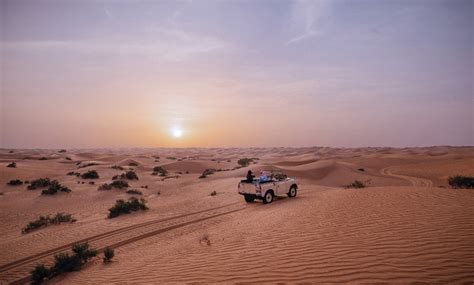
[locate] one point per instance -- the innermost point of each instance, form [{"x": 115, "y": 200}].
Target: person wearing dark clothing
[{"x": 250, "y": 176}]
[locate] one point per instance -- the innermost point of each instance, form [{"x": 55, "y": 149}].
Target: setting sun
[{"x": 177, "y": 132}]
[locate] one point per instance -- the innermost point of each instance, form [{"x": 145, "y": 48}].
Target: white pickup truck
[{"x": 277, "y": 185}]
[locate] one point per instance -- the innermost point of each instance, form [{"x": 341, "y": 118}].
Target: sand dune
[{"x": 403, "y": 228}]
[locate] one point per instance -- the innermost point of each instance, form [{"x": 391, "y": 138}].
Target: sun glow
[{"x": 177, "y": 132}]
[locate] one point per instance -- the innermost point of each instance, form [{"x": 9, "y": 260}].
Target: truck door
[
  {"x": 276, "y": 187},
  {"x": 283, "y": 187}
]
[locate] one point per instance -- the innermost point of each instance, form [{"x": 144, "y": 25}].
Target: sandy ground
[{"x": 407, "y": 226}]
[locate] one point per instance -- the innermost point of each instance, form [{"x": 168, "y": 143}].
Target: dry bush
[
  {"x": 356, "y": 184},
  {"x": 121, "y": 207},
  {"x": 12, "y": 165},
  {"x": 54, "y": 188},
  {"x": 91, "y": 174},
  {"x": 461, "y": 181},
  {"x": 44, "y": 221},
  {"x": 205, "y": 239},
  {"x": 15, "y": 182}
]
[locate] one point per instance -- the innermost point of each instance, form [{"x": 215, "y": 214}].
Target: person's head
[{"x": 250, "y": 172}]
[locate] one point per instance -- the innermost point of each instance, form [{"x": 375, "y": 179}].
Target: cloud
[
  {"x": 163, "y": 43},
  {"x": 305, "y": 15},
  {"x": 305, "y": 35}
]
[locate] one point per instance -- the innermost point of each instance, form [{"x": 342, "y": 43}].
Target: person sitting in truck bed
[
  {"x": 263, "y": 177},
  {"x": 250, "y": 176}
]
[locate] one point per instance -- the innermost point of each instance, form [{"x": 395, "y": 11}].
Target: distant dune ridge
[{"x": 408, "y": 225}]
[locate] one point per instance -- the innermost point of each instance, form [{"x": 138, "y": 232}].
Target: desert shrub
[
  {"x": 62, "y": 151},
  {"x": 134, "y": 191},
  {"x": 244, "y": 161},
  {"x": 119, "y": 184},
  {"x": 91, "y": 174},
  {"x": 133, "y": 164},
  {"x": 39, "y": 273},
  {"x": 361, "y": 169},
  {"x": 130, "y": 175},
  {"x": 39, "y": 183},
  {"x": 207, "y": 172},
  {"x": 108, "y": 254},
  {"x": 213, "y": 193},
  {"x": 356, "y": 184},
  {"x": 72, "y": 173},
  {"x": 105, "y": 186},
  {"x": 44, "y": 221},
  {"x": 205, "y": 239},
  {"x": 62, "y": 218},
  {"x": 54, "y": 188},
  {"x": 68, "y": 158},
  {"x": 12, "y": 165},
  {"x": 171, "y": 158},
  {"x": 64, "y": 262},
  {"x": 159, "y": 170},
  {"x": 461, "y": 181},
  {"x": 117, "y": 167},
  {"x": 91, "y": 182},
  {"x": 43, "y": 158},
  {"x": 122, "y": 207},
  {"x": 15, "y": 182},
  {"x": 83, "y": 251}
]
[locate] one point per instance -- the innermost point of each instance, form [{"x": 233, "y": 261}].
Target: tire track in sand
[
  {"x": 119, "y": 233},
  {"x": 415, "y": 181}
]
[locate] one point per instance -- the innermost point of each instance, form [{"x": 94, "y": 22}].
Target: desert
[
  {"x": 406, "y": 225},
  {"x": 236, "y": 142}
]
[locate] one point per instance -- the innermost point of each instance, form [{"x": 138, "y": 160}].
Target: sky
[{"x": 87, "y": 74}]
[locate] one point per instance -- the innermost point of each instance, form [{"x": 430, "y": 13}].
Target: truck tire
[
  {"x": 293, "y": 191},
  {"x": 249, "y": 198},
  {"x": 268, "y": 198}
]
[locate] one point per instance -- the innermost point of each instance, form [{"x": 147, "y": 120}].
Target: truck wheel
[
  {"x": 268, "y": 198},
  {"x": 249, "y": 198},
  {"x": 292, "y": 192}
]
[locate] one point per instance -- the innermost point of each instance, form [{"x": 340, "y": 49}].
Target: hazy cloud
[
  {"x": 305, "y": 15},
  {"x": 166, "y": 44}
]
